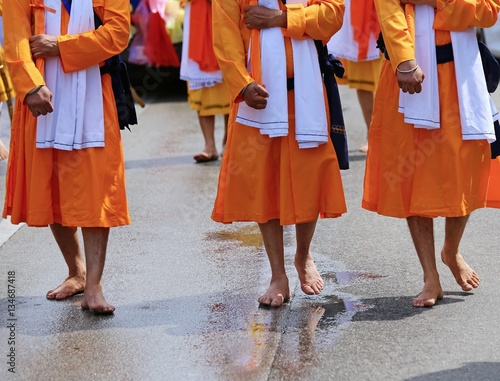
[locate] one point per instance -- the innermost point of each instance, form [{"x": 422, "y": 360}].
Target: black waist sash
[{"x": 444, "y": 53}]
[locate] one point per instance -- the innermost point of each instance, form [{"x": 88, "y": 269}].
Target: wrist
[
  {"x": 282, "y": 19},
  {"x": 34, "y": 90}
]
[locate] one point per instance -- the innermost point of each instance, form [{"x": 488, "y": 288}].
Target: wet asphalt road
[{"x": 185, "y": 287}]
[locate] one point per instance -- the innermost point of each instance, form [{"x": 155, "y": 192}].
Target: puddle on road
[
  {"x": 247, "y": 236},
  {"x": 296, "y": 337}
]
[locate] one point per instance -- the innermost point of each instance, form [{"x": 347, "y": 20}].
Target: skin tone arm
[
  {"x": 412, "y": 82},
  {"x": 257, "y": 17},
  {"x": 42, "y": 46}
]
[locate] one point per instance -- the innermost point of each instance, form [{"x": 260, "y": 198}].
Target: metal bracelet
[{"x": 407, "y": 71}]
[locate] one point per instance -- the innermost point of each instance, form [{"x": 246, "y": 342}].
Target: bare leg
[
  {"x": 310, "y": 279},
  {"x": 4, "y": 152},
  {"x": 67, "y": 240},
  {"x": 279, "y": 291},
  {"x": 366, "y": 102},
  {"x": 95, "y": 242},
  {"x": 207, "y": 124},
  {"x": 422, "y": 232},
  {"x": 466, "y": 277}
]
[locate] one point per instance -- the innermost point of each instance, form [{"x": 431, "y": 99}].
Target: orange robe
[
  {"x": 266, "y": 178},
  {"x": 418, "y": 172},
  {"x": 81, "y": 188},
  {"x": 493, "y": 197}
]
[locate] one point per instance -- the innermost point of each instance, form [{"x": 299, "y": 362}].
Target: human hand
[
  {"x": 255, "y": 96},
  {"x": 44, "y": 45},
  {"x": 432, "y": 3},
  {"x": 410, "y": 82},
  {"x": 257, "y": 17},
  {"x": 40, "y": 103}
]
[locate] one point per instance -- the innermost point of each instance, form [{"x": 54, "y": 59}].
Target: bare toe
[
  {"x": 93, "y": 300},
  {"x": 277, "y": 293},
  {"x": 464, "y": 275},
  {"x": 431, "y": 293},
  {"x": 71, "y": 286},
  {"x": 311, "y": 281}
]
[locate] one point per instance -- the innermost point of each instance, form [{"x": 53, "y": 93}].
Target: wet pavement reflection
[{"x": 290, "y": 340}]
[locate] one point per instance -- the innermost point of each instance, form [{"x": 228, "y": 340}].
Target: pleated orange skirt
[
  {"x": 264, "y": 178},
  {"x": 493, "y": 198},
  {"x": 79, "y": 188},
  {"x": 418, "y": 172}
]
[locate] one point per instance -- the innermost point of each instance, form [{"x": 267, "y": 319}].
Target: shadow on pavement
[
  {"x": 484, "y": 371},
  {"x": 395, "y": 308}
]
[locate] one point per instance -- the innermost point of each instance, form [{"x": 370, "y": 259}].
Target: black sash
[{"x": 120, "y": 82}]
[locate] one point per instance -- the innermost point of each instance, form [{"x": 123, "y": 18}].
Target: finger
[{"x": 261, "y": 91}]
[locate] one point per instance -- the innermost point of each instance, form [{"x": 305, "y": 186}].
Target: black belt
[
  {"x": 444, "y": 53},
  {"x": 290, "y": 84}
]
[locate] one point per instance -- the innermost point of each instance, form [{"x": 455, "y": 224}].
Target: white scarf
[
  {"x": 342, "y": 44},
  {"x": 78, "y": 118},
  {"x": 311, "y": 125},
  {"x": 477, "y": 111},
  {"x": 190, "y": 70}
]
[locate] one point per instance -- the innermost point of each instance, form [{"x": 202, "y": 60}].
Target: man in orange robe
[
  {"x": 66, "y": 189},
  {"x": 270, "y": 180},
  {"x": 418, "y": 173}
]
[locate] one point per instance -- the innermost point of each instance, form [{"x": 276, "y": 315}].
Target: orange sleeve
[
  {"x": 397, "y": 38},
  {"x": 17, "y": 27},
  {"x": 83, "y": 50},
  {"x": 229, "y": 45},
  {"x": 320, "y": 20},
  {"x": 457, "y": 15}
]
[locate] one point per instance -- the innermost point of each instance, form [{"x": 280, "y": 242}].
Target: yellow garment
[
  {"x": 212, "y": 100},
  {"x": 418, "y": 172},
  {"x": 6, "y": 89},
  {"x": 82, "y": 188},
  {"x": 362, "y": 75},
  {"x": 266, "y": 178}
]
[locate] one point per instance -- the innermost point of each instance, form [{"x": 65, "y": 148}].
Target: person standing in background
[
  {"x": 207, "y": 93},
  {"x": 356, "y": 47}
]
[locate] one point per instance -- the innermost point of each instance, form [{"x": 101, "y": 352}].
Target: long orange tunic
[
  {"x": 422, "y": 172},
  {"x": 493, "y": 196},
  {"x": 266, "y": 178},
  {"x": 82, "y": 188}
]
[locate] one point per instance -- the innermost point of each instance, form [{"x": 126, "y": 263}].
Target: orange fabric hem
[
  {"x": 398, "y": 213},
  {"x": 92, "y": 223},
  {"x": 237, "y": 217}
]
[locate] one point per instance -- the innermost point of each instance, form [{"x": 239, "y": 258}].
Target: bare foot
[
  {"x": 431, "y": 293},
  {"x": 465, "y": 276},
  {"x": 364, "y": 148},
  {"x": 204, "y": 157},
  {"x": 93, "y": 300},
  {"x": 4, "y": 152},
  {"x": 277, "y": 293},
  {"x": 71, "y": 286},
  {"x": 310, "y": 280}
]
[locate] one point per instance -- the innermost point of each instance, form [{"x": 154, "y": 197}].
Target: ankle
[
  {"x": 279, "y": 278},
  {"x": 302, "y": 256},
  {"x": 431, "y": 277}
]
